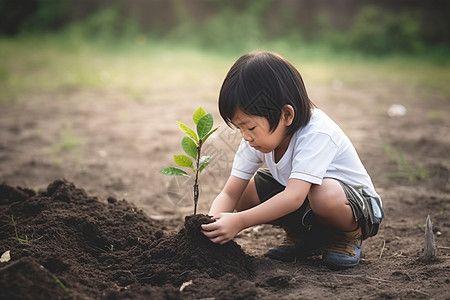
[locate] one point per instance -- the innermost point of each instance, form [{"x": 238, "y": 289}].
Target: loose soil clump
[
  {"x": 192, "y": 254},
  {"x": 66, "y": 244}
]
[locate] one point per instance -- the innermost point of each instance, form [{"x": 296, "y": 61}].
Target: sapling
[{"x": 192, "y": 145}]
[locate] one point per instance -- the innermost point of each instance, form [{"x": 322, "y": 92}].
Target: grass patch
[
  {"x": 145, "y": 66},
  {"x": 22, "y": 240},
  {"x": 404, "y": 169},
  {"x": 437, "y": 115},
  {"x": 134, "y": 71},
  {"x": 68, "y": 141}
]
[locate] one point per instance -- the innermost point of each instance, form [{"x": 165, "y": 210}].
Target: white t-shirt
[{"x": 318, "y": 150}]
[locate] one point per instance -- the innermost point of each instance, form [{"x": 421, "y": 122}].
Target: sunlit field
[{"x": 57, "y": 63}]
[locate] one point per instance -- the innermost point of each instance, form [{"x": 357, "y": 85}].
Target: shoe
[
  {"x": 344, "y": 251},
  {"x": 288, "y": 249},
  {"x": 300, "y": 245}
]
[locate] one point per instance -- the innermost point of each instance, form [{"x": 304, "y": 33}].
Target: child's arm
[
  {"x": 227, "y": 199},
  {"x": 227, "y": 225}
]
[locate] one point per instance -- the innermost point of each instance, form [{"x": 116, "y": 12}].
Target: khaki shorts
[{"x": 366, "y": 209}]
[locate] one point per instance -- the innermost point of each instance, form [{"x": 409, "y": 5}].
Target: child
[{"x": 315, "y": 186}]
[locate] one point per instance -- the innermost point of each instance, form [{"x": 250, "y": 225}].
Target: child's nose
[{"x": 248, "y": 138}]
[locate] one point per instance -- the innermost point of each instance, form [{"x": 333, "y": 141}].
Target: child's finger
[
  {"x": 208, "y": 227},
  {"x": 204, "y": 227},
  {"x": 209, "y": 234}
]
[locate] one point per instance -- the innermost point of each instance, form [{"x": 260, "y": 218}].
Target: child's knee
[{"x": 327, "y": 197}]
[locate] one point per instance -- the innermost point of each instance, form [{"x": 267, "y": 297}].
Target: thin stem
[
  {"x": 21, "y": 240},
  {"x": 197, "y": 171},
  {"x": 195, "y": 198}
]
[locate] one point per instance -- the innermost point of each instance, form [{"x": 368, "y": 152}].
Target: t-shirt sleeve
[
  {"x": 312, "y": 157},
  {"x": 246, "y": 161}
]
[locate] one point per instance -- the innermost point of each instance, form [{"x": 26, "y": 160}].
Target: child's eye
[{"x": 251, "y": 129}]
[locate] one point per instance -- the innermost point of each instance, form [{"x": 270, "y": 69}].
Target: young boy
[{"x": 315, "y": 186}]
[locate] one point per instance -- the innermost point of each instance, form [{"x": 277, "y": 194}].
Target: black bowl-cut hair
[{"x": 261, "y": 84}]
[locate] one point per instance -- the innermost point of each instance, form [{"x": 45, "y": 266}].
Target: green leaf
[
  {"x": 183, "y": 161},
  {"x": 204, "y": 125},
  {"x": 188, "y": 131},
  {"x": 198, "y": 114},
  {"x": 189, "y": 147},
  {"x": 209, "y": 133},
  {"x": 204, "y": 162},
  {"x": 171, "y": 171}
]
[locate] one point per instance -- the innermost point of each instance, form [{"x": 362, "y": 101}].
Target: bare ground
[{"x": 112, "y": 146}]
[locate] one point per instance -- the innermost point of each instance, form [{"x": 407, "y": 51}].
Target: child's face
[{"x": 256, "y": 131}]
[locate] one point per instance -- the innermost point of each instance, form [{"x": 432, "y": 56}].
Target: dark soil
[{"x": 71, "y": 245}]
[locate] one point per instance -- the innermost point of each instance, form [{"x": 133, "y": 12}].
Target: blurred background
[
  {"x": 377, "y": 27},
  {"x": 337, "y": 32},
  {"x": 90, "y": 89}
]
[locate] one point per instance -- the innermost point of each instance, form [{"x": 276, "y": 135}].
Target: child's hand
[{"x": 225, "y": 227}]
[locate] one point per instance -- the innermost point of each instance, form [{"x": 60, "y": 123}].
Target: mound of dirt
[
  {"x": 76, "y": 246},
  {"x": 189, "y": 254}
]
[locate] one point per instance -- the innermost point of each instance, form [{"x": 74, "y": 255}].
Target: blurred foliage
[
  {"x": 49, "y": 14},
  {"x": 377, "y": 31},
  {"x": 106, "y": 25},
  {"x": 225, "y": 31},
  {"x": 32, "y": 15},
  {"x": 233, "y": 24}
]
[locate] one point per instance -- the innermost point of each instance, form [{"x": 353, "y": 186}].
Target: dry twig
[
  {"x": 382, "y": 249},
  {"x": 366, "y": 277},
  {"x": 429, "y": 250}
]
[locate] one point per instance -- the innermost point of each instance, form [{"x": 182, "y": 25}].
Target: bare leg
[{"x": 330, "y": 205}]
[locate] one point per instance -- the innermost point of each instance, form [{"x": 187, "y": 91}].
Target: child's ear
[{"x": 288, "y": 114}]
